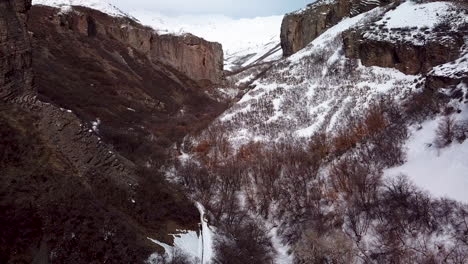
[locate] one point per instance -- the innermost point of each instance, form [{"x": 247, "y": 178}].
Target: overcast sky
[{"x": 232, "y": 8}]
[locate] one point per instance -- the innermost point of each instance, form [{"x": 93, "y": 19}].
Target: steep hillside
[
  {"x": 323, "y": 147},
  {"x": 319, "y": 86},
  {"x": 81, "y": 145},
  {"x": 138, "y": 104}
]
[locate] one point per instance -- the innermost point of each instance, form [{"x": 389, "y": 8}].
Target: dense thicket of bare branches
[{"x": 326, "y": 195}]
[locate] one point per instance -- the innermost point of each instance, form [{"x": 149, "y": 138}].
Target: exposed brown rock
[
  {"x": 15, "y": 52},
  {"x": 300, "y": 28},
  {"x": 195, "y": 57},
  {"x": 142, "y": 104},
  {"x": 404, "y": 56},
  {"x": 191, "y": 55}
]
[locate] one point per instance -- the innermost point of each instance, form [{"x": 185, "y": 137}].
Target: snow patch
[
  {"x": 66, "y": 6},
  {"x": 442, "y": 172},
  {"x": 198, "y": 246},
  {"x": 95, "y": 125}
]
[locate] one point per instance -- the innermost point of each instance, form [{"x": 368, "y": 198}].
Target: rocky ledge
[{"x": 300, "y": 28}]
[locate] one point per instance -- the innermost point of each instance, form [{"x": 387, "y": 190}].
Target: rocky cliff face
[
  {"x": 197, "y": 58},
  {"x": 406, "y": 57},
  {"x": 300, "y": 28},
  {"x": 15, "y": 68},
  {"x": 62, "y": 186},
  {"x": 191, "y": 55},
  {"x": 414, "y": 49}
]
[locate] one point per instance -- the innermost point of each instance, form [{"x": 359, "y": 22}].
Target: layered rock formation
[
  {"x": 197, "y": 58},
  {"x": 15, "y": 52},
  {"x": 406, "y": 57},
  {"x": 191, "y": 55},
  {"x": 416, "y": 48},
  {"x": 300, "y": 28}
]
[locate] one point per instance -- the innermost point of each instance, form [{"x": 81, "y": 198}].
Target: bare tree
[{"x": 445, "y": 132}]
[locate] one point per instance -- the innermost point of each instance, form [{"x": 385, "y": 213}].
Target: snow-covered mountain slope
[
  {"x": 326, "y": 144},
  {"x": 317, "y": 88},
  {"x": 442, "y": 172},
  {"x": 101, "y": 5},
  {"x": 245, "y": 41},
  {"x": 300, "y": 95},
  {"x": 419, "y": 20}
]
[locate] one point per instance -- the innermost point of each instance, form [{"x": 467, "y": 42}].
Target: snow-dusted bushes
[
  {"x": 331, "y": 247},
  {"x": 244, "y": 241},
  {"x": 410, "y": 227},
  {"x": 449, "y": 130},
  {"x": 445, "y": 132},
  {"x": 324, "y": 190},
  {"x": 176, "y": 256}
]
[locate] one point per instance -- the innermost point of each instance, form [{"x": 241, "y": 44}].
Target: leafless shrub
[
  {"x": 176, "y": 256},
  {"x": 461, "y": 131},
  {"x": 356, "y": 181},
  {"x": 404, "y": 204},
  {"x": 445, "y": 133},
  {"x": 244, "y": 242},
  {"x": 332, "y": 247}
]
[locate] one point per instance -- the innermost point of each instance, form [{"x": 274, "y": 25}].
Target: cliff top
[{"x": 100, "y": 5}]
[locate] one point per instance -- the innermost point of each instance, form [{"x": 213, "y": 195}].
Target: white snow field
[{"x": 442, "y": 172}]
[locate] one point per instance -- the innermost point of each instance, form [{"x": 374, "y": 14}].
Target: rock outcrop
[
  {"x": 195, "y": 57},
  {"x": 15, "y": 49},
  {"x": 413, "y": 49},
  {"x": 405, "y": 57},
  {"x": 300, "y": 28}
]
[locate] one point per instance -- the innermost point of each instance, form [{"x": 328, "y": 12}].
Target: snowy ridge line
[
  {"x": 239, "y": 37},
  {"x": 312, "y": 6},
  {"x": 99, "y": 5}
]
